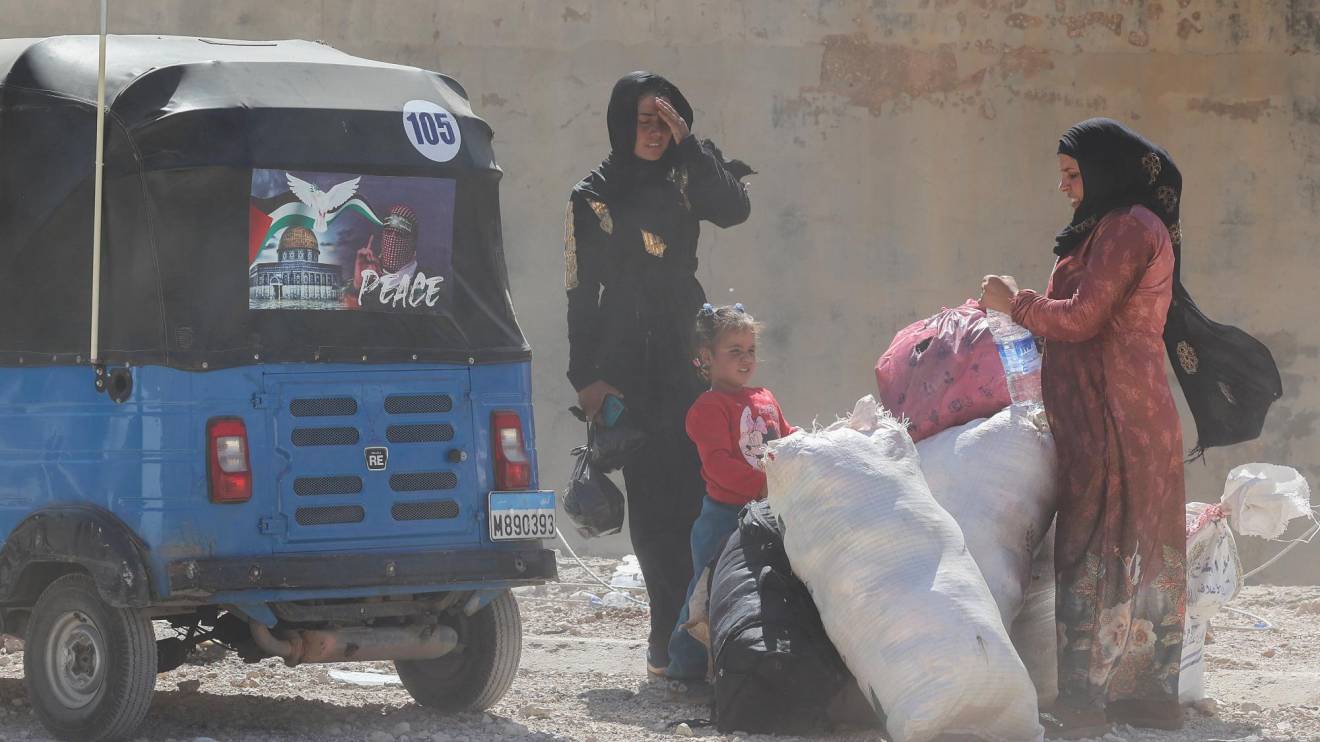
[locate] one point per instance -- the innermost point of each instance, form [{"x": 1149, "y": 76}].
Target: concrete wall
[{"x": 906, "y": 147}]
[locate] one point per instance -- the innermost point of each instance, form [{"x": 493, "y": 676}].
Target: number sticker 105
[
  {"x": 431, "y": 127},
  {"x": 432, "y": 130}
]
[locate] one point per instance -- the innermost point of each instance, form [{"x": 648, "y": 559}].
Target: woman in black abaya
[{"x": 630, "y": 258}]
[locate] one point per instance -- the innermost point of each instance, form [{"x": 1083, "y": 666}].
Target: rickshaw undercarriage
[{"x": 362, "y": 643}]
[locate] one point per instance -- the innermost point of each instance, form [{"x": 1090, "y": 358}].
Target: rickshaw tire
[
  {"x": 121, "y": 700},
  {"x": 476, "y": 676}
]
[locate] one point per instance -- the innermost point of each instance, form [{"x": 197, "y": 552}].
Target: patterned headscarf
[
  {"x": 1228, "y": 377},
  {"x": 398, "y": 240},
  {"x": 1120, "y": 168}
]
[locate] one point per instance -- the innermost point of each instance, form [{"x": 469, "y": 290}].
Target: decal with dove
[{"x": 334, "y": 241}]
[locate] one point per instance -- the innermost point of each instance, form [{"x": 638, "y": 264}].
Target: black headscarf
[
  {"x": 623, "y": 169},
  {"x": 1228, "y": 377},
  {"x": 621, "y": 116}
]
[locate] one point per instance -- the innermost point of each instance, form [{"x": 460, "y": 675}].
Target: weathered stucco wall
[{"x": 905, "y": 149}]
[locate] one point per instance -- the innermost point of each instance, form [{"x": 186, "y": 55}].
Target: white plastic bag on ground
[
  {"x": 1035, "y": 633},
  {"x": 1214, "y": 577},
  {"x": 628, "y": 574},
  {"x": 364, "y": 679},
  {"x": 1261, "y": 499},
  {"x": 898, "y": 593},
  {"x": 996, "y": 478}
]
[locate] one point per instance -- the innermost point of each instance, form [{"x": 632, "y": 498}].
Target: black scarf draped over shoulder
[
  {"x": 1228, "y": 377},
  {"x": 631, "y": 247}
]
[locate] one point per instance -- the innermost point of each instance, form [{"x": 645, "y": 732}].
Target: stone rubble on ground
[{"x": 593, "y": 688}]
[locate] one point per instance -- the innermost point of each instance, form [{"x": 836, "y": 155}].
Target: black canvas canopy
[{"x": 189, "y": 122}]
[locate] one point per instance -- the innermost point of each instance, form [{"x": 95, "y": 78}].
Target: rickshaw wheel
[
  {"x": 479, "y": 672},
  {"x": 90, "y": 669}
]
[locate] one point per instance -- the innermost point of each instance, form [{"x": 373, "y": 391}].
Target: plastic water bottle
[
  {"x": 616, "y": 599},
  {"x": 1017, "y": 351}
]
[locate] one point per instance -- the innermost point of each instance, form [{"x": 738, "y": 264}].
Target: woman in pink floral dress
[{"x": 1120, "y": 546}]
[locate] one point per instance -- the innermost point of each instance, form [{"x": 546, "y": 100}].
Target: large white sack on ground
[
  {"x": 996, "y": 478},
  {"x": 1258, "y": 500},
  {"x": 1035, "y": 633},
  {"x": 897, "y": 591},
  {"x": 1214, "y": 577}
]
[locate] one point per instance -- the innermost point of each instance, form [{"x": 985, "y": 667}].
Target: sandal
[{"x": 656, "y": 669}]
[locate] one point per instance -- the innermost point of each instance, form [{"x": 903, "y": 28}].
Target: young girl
[{"x": 731, "y": 424}]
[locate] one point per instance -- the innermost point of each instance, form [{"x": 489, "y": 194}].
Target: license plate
[{"x": 517, "y": 516}]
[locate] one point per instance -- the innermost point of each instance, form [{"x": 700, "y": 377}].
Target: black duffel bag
[{"x": 776, "y": 670}]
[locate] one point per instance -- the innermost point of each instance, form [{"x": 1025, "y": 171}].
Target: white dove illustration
[{"x": 323, "y": 202}]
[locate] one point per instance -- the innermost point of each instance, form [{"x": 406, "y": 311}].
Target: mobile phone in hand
[{"x": 611, "y": 410}]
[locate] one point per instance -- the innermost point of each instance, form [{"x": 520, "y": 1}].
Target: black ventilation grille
[
  {"x": 415, "y": 404},
  {"x": 429, "y": 433},
  {"x": 423, "y": 481},
  {"x": 309, "y": 486},
  {"x": 428, "y": 510},
  {"x": 323, "y": 407},
  {"x": 325, "y": 436},
  {"x": 328, "y": 515}
]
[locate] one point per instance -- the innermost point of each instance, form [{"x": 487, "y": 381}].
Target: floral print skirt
[{"x": 1120, "y": 552}]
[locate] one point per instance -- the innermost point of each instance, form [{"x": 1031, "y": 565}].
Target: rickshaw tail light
[
  {"x": 513, "y": 468},
  {"x": 229, "y": 474}
]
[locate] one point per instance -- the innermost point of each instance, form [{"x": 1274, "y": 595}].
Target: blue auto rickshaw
[{"x": 292, "y": 413}]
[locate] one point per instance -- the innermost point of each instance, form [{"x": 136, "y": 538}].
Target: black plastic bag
[{"x": 593, "y": 502}]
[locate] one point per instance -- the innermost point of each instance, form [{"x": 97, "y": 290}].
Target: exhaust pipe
[{"x": 360, "y": 643}]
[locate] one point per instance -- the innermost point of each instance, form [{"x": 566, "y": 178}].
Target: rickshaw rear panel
[{"x": 137, "y": 468}]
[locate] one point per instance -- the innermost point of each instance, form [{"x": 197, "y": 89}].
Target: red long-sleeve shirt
[{"x": 731, "y": 431}]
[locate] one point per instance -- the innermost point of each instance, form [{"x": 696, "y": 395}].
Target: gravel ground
[{"x": 583, "y": 678}]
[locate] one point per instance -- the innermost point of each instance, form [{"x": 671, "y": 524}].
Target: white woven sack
[
  {"x": 898, "y": 593},
  {"x": 996, "y": 478},
  {"x": 1214, "y": 577},
  {"x": 1258, "y": 500},
  {"x": 1035, "y": 633}
]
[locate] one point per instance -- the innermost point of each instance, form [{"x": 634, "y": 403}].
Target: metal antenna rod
[{"x": 100, "y": 181}]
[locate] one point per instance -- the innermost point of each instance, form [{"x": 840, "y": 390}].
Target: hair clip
[
  {"x": 739, "y": 308},
  {"x": 707, "y": 310}
]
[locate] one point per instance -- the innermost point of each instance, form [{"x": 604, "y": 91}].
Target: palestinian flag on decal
[{"x": 269, "y": 217}]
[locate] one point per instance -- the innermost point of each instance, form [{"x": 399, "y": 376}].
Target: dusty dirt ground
[{"x": 583, "y": 678}]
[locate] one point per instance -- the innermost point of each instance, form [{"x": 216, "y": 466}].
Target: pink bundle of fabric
[{"x": 942, "y": 372}]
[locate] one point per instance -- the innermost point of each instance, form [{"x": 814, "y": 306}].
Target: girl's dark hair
[{"x": 714, "y": 321}]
